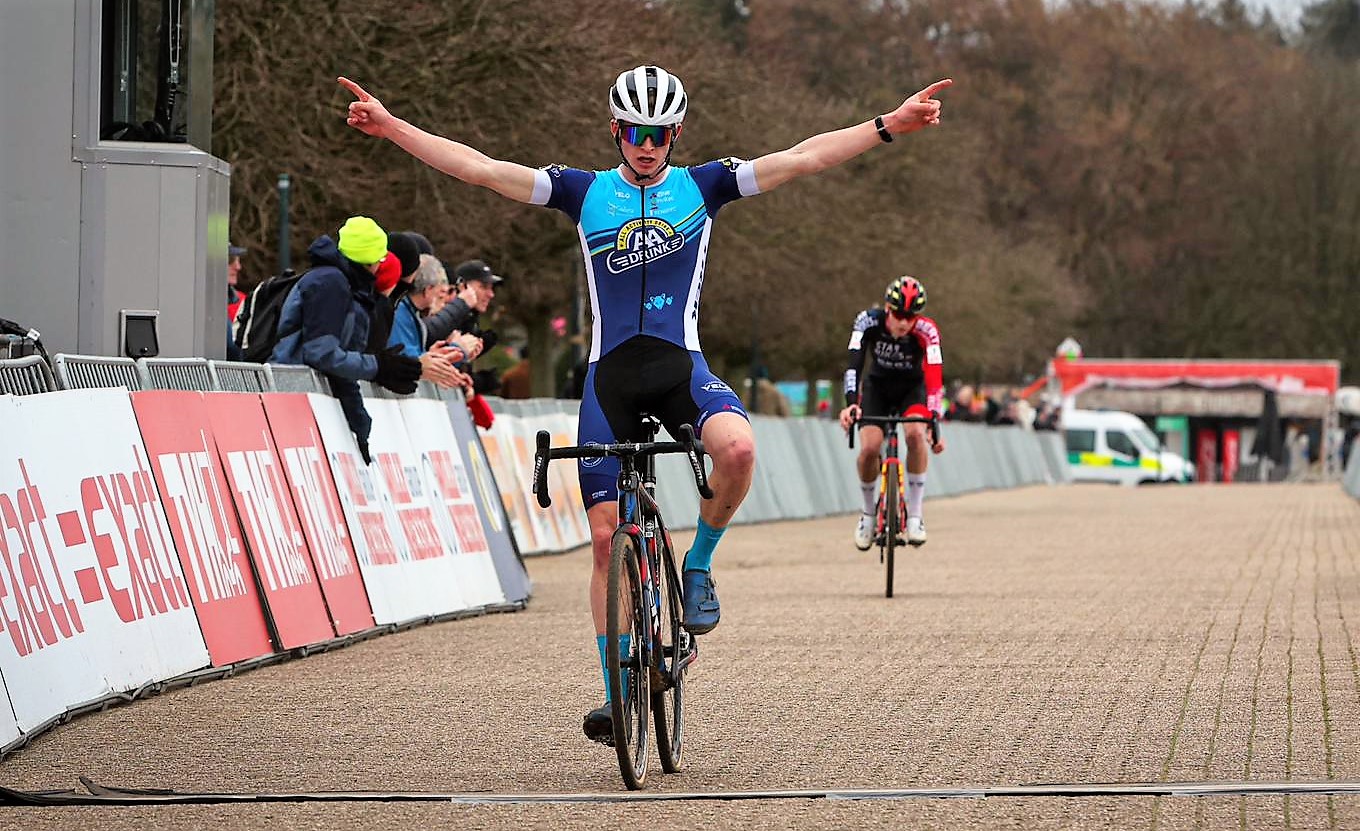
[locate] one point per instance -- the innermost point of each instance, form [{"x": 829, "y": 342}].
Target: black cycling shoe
[{"x": 599, "y": 724}]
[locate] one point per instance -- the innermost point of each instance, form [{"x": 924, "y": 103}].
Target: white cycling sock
[
  {"x": 870, "y": 491},
  {"x": 916, "y": 493}
]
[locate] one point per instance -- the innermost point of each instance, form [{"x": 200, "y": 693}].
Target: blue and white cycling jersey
[{"x": 644, "y": 262}]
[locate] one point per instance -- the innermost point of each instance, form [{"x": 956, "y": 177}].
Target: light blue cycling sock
[
  {"x": 625, "y": 645},
  {"x": 700, "y": 556}
]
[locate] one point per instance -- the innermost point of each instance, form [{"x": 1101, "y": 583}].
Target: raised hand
[
  {"x": 367, "y": 115},
  {"x": 919, "y": 110}
]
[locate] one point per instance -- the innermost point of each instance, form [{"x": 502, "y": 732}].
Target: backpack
[{"x": 258, "y": 322}]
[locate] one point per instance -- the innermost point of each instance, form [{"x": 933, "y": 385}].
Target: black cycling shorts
[
  {"x": 643, "y": 375},
  {"x": 882, "y": 397}
]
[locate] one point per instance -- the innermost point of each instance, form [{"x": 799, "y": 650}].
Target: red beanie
[{"x": 388, "y": 273}]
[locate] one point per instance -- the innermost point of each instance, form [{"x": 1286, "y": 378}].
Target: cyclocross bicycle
[
  {"x": 891, "y": 514},
  {"x": 644, "y": 599}
]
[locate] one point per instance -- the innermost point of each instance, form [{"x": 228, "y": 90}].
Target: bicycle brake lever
[
  {"x": 541, "y": 469},
  {"x": 694, "y": 449}
]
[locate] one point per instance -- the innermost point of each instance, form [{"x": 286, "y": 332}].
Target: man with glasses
[
  {"x": 644, "y": 229},
  {"x": 906, "y": 370}
]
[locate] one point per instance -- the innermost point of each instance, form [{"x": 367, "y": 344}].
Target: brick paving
[{"x": 1079, "y": 634}]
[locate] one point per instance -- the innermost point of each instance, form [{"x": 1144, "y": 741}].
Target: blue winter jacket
[
  {"x": 408, "y": 329},
  {"x": 325, "y": 323}
]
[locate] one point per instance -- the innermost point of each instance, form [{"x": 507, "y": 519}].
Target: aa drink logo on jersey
[{"x": 643, "y": 241}]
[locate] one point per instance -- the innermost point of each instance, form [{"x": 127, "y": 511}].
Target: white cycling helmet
[{"x": 648, "y": 95}]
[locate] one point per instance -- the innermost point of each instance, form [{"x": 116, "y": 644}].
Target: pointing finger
[
  {"x": 934, "y": 88},
  {"x": 354, "y": 89}
]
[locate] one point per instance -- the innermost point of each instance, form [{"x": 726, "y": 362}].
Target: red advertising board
[
  {"x": 278, "y": 546},
  {"x": 1231, "y": 450},
  {"x": 1206, "y": 455},
  {"x": 203, "y": 523},
  {"x": 318, "y": 506}
]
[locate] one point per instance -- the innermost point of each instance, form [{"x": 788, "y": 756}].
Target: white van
[{"x": 1113, "y": 446}]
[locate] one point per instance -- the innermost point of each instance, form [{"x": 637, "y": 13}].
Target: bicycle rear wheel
[
  {"x": 626, "y": 613},
  {"x": 675, "y": 652},
  {"x": 892, "y": 525}
]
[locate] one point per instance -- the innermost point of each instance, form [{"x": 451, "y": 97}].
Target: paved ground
[{"x": 1083, "y": 634}]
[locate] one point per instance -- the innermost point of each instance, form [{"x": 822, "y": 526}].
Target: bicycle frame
[{"x": 641, "y": 544}]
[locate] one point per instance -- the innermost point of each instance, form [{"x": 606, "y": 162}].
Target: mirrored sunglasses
[{"x": 636, "y": 134}]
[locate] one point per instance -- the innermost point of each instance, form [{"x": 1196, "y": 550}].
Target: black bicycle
[
  {"x": 644, "y": 600},
  {"x": 890, "y": 517}
]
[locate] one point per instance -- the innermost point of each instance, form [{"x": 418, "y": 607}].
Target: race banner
[
  {"x": 203, "y": 523},
  {"x": 514, "y": 580},
  {"x": 9, "y": 727},
  {"x": 502, "y": 443},
  {"x": 378, "y": 543},
  {"x": 318, "y": 506},
  {"x": 92, "y": 596},
  {"x": 273, "y": 533},
  {"x": 568, "y": 510},
  {"x": 446, "y": 480},
  {"x": 402, "y": 491}
]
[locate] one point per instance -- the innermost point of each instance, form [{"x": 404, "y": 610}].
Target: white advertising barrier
[
  {"x": 394, "y": 593},
  {"x": 564, "y": 485},
  {"x": 9, "y": 726},
  {"x": 446, "y": 480},
  {"x": 93, "y": 600},
  {"x": 510, "y": 442},
  {"x": 403, "y": 495},
  {"x": 510, "y": 572}
]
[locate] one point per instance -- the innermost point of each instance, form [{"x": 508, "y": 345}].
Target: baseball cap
[{"x": 477, "y": 270}]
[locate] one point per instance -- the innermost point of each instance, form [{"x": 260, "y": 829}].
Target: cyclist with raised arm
[
  {"x": 906, "y": 369},
  {"x": 644, "y": 228}
]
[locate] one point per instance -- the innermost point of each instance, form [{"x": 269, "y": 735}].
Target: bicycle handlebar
[
  {"x": 690, "y": 446},
  {"x": 932, "y": 420}
]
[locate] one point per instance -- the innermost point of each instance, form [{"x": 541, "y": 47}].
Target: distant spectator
[
  {"x": 961, "y": 408},
  {"x": 326, "y": 319},
  {"x": 234, "y": 295},
  {"x": 407, "y": 251},
  {"x": 517, "y": 381}
]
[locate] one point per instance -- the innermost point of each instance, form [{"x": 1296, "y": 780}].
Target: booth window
[
  {"x": 144, "y": 72},
  {"x": 1119, "y": 442}
]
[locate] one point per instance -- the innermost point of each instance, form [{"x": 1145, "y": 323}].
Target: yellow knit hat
[{"x": 362, "y": 241}]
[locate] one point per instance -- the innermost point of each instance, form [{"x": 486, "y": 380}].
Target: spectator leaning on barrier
[
  {"x": 475, "y": 288},
  {"x": 326, "y": 319},
  {"x": 428, "y": 284}
]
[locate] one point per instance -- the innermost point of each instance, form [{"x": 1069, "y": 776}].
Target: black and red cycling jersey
[{"x": 904, "y": 362}]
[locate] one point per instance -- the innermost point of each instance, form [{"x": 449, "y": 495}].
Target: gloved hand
[{"x": 396, "y": 371}]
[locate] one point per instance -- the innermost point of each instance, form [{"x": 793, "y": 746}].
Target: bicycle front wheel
[
  {"x": 892, "y": 525},
  {"x": 627, "y": 614},
  {"x": 676, "y": 650}
]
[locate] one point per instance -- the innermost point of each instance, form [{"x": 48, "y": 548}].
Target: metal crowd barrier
[
  {"x": 295, "y": 378},
  {"x": 235, "y": 376},
  {"x": 26, "y": 376},
  {"x": 84, "y": 372},
  {"x": 189, "y": 374}
]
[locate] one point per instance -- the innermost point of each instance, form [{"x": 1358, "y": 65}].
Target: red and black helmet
[{"x": 905, "y": 295}]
